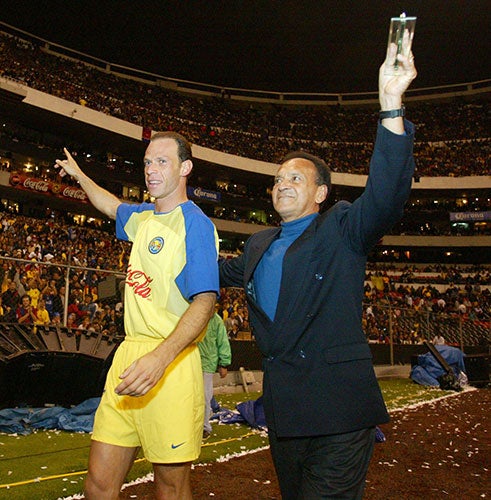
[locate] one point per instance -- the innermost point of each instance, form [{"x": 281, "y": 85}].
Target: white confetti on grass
[
  {"x": 396, "y": 414},
  {"x": 430, "y": 402}
]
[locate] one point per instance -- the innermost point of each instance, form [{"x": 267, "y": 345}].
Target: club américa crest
[{"x": 156, "y": 244}]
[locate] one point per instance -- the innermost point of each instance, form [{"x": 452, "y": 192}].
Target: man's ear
[
  {"x": 186, "y": 167},
  {"x": 321, "y": 195}
]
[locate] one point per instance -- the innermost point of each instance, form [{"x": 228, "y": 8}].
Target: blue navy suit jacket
[{"x": 318, "y": 372}]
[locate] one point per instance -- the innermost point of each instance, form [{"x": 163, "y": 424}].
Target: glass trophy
[{"x": 401, "y": 35}]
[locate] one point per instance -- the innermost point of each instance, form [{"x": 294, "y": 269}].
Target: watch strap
[{"x": 393, "y": 113}]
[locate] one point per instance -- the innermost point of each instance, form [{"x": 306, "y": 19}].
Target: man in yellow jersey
[{"x": 153, "y": 396}]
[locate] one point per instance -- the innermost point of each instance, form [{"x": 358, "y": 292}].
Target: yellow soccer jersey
[{"x": 174, "y": 257}]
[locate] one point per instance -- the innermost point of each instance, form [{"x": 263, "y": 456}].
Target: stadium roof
[{"x": 285, "y": 46}]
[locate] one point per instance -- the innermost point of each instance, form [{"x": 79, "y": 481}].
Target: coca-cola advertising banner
[{"x": 50, "y": 188}]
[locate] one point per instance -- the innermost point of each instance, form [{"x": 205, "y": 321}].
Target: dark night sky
[{"x": 316, "y": 46}]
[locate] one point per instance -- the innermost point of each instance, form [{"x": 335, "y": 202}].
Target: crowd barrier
[{"x": 56, "y": 365}]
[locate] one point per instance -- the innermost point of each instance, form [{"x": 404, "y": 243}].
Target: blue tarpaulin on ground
[
  {"x": 249, "y": 412},
  {"x": 24, "y": 420},
  {"x": 428, "y": 369},
  {"x": 81, "y": 417},
  {"x": 252, "y": 413}
]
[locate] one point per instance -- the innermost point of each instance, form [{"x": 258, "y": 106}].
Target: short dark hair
[
  {"x": 323, "y": 171},
  {"x": 183, "y": 145}
]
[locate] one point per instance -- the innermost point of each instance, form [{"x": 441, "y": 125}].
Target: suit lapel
[
  {"x": 258, "y": 246},
  {"x": 294, "y": 280}
]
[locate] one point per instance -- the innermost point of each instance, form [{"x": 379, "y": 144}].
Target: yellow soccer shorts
[{"x": 167, "y": 422}]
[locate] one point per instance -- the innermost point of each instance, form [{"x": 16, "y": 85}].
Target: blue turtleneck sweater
[{"x": 267, "y": 276}]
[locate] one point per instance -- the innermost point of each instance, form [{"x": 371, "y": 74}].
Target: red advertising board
[{"x": 49, "y": 188}]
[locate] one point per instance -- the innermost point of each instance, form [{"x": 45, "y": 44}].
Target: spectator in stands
[
  {"x": 171, "y": 290},
  {"x": 438, "y": 339},
  {"x": 48, "y": 294},
  {"x": 11, "y": 297},
  {"x": 461, "y": 307},
  {"x": 4, "y": 276},
  {"x": 304, "y": 287},
  {"x": 74, "y": 302},
  {"x": 232, "y": 334},
  {"x": 440, "y": 303},
  {"x": 72, "y": 320},
  {"x": 58, "y": 300},
  {"x": 33, "y": 291},
  {"x": 216, "y": 354},
  {"x": 56, "y": 319},
  {"x": 231, "y": 321},
  {"x": 85, "y": 324},
  {"x": 105, "y": 317},
  {"x": 2, "y": 311},
  {"x": 42, "y": 314},
  {"x": 25, "y": 312},
  {"x": 88, "y": 306}
]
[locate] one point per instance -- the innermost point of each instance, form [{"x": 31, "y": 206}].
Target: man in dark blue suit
[{"x": 304, "y": 288}]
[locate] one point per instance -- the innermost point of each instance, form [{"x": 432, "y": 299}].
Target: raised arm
[{"x": 102, "y": 199}]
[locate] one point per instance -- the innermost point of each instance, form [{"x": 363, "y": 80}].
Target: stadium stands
[{"x": 62, "y": 243}]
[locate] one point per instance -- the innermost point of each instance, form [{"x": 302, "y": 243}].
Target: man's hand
[
  {"x": 222, "y": 371},
  {"x": 102, "y": 199},
  {"x": 392, "y": 87},
  {"x": 68, "y": 166},
  {"x": 142, "y": 375}
]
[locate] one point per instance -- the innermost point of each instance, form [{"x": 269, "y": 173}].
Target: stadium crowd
[
  {"x": 416, "y": 294},
  {"x": 35, "y": 254},
  {"x": 33, "y": 272},
  {"x": 453, "y": 139},
  {"x": 424, "y": 217}
]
